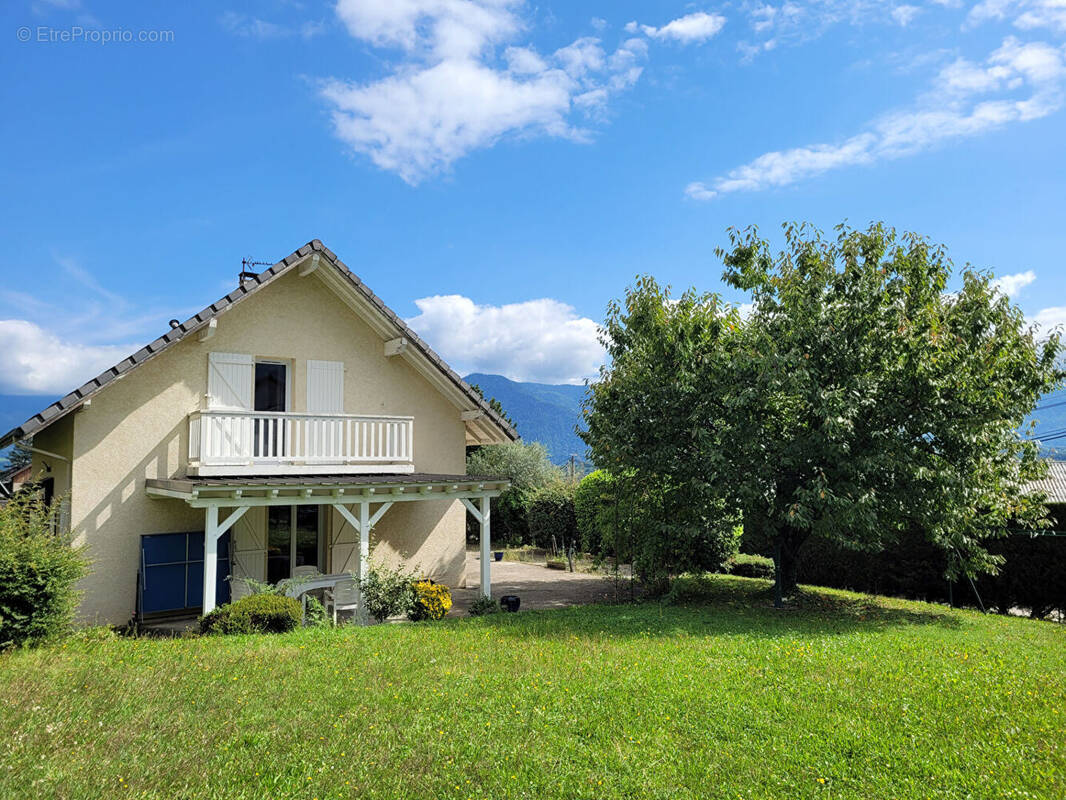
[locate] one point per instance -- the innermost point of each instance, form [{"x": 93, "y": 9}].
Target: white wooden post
[
  {"x": 210, "y": 558},
  {"x": 364, "y": 539},
  {"x": 486, "y": 580}
]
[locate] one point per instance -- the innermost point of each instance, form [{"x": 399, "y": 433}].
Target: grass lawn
[{"x": 846, "y": 696}]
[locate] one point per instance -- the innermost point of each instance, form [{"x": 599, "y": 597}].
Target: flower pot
[
  {"x": 510, "y": 602},
  {"x": 498, "y": 555}
]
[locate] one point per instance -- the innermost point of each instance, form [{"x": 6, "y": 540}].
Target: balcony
[{"x": 270, "y": 443}]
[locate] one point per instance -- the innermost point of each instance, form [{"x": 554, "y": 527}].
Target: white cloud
[
  {"x": 451, "y": 93},
  {"x": 52, "y": 342},
  {"x": 697, "y": 27},
  {"x": 698, "y": 190},
  {"x": 1048, "y": 318},
  {"x": 249, "y": 27},
  {"x": 1024, "y": 14},
  {"x": 798, "y": 21},
  {"x": 34, "y": 361},
  {"x": 1016, "y": 83},
  {"x": 1010, "y": 285},
  {"x": 905, "y": 14},
  {"x": 537, "y": 340}
]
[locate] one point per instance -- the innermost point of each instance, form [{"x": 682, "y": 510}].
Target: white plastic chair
[
  {"x": 344, "y": 596},
  {"x": 305, "y": 571}
]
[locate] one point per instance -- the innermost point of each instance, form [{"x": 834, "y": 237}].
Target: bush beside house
[
  {"x": 256, "y": 613},
  {"x": 38, "y": 572}
]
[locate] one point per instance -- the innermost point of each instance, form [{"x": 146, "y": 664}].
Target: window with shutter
[
  {"x": 325, "y": 387},
  {"x": 229, "y": 381}
]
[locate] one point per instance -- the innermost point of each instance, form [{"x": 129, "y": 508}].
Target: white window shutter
[
  {"x": 343, "y": 545},
  {"x": 248, "y": 546},
  {"x": 325, "y": 387},
  {"x": 229, "y": 381}
]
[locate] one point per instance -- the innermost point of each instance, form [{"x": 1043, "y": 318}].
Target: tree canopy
[{"x": 858, "y": 397}]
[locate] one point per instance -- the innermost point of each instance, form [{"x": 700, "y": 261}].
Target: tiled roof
[
  {"x": 1054, "y": 485},
  {"x": 73, "y": 400}
]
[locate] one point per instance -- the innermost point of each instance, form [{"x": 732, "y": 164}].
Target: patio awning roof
[
  {"x": 201, "y": 492},
  {"x": 213, "y": 493}
]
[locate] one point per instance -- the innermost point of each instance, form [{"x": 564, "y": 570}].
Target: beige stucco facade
[{"x": 137, "y": 428}]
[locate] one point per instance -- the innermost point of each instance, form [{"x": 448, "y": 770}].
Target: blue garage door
[{"x": 172, "y": 572}]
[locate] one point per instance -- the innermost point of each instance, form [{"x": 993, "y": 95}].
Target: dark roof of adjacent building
[
  {"x": 72, "y": 401},
  {"x": 1054, "y": 485}
]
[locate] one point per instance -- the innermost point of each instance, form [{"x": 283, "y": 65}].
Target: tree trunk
[{"x": 786, "y": 560}]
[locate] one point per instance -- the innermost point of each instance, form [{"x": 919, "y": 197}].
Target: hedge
[
  {"x": 39, "y": 570},
  {"x": 1033, "y": 575}
]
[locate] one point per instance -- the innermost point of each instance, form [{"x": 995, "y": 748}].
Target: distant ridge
[{"x": 543, "y": 412}]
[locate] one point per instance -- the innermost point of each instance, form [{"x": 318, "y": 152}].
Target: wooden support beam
[
  {"x": 470, "y": 416},
  {"x": 379, "y": 513},
  {"x": 364, "y": 542},
  {"x": 471, "y": 508},
  {"x": 395, "y": 347},
  {"x": 231, "y": 520},
  {"x": 208, "y": 330},
  {"x": 210, "y": 558},
  {"x": 486, "y": 547},
  {"x": 348, "y": 516}
]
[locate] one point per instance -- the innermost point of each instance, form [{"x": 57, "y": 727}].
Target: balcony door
[
  {"x": 271, "y": 394},
  {"x": 294, "y": 539}
]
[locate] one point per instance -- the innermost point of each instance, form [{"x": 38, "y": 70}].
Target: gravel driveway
[{"x": 536, "y": 585}]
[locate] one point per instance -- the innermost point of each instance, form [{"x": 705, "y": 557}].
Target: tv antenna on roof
[{"x": 247, "y": 273}]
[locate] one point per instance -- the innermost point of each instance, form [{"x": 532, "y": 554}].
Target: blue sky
[{"x": 498, "y": 170}]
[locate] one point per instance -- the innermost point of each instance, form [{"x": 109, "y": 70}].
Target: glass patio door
[{"x": 294, "y": 539}]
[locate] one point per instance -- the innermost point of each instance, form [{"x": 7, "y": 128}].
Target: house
[
  {"x": 1053, "y": 485},
  {"x": 12, "y": 480},
  {"x": 288, "y": 426}
]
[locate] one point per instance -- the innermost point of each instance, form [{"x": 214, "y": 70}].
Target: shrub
[
  {"x": 484, "y": 605},
  {"x": 432, "y": 601},
  {"x": 315, "y": 614},
  {"x": 552, "y": 517},
  {"x": 38, "y": 572},
  {"x": 594, "y": 501},
  {"x": 528, "y": 468},
  {"x": 688, "y": 588},
  {"x": 387, "y": 591},
  {"x": 750, "y": 566},
  {"x": 256, "y": 613}
]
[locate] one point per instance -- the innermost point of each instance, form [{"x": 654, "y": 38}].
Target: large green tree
[{"x": 859, "y": 396}]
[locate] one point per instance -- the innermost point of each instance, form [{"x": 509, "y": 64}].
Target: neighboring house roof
[
  {"x": 10, "y": 477},
  {"x": 1054, "y": 485},
  {"x": 359, "y": 292}
]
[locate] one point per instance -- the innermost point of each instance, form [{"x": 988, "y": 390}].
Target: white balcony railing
[{"x": 265, "y": 443}]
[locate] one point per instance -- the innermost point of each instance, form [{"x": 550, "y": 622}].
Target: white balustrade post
[
  {"x": 486, "y": 546},
  {"x": 210, "y": 558}
]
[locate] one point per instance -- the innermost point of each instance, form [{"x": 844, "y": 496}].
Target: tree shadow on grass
[{"x": 727, "y": 606}]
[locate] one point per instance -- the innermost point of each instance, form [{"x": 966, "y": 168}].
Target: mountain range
[{"x": 543, "y": 412}]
